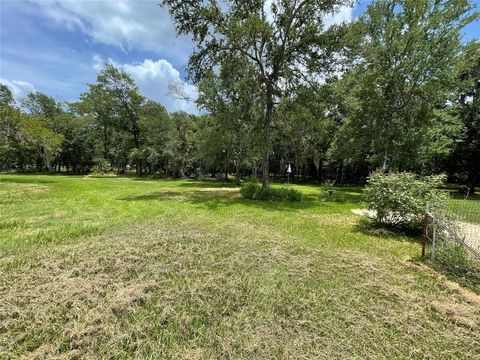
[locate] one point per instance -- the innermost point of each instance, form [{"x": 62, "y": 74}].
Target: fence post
[
  {"x": 425, "y": 233},
  {"x": 434, "y": 240}
]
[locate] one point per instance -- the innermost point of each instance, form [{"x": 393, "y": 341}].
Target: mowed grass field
[
  {"x": 126, "y": 268},
  {"x": 466, "y": 209}
]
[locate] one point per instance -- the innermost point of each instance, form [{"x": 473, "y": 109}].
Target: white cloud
[
  {"x": 98, "y": 62},
  {"x": 341, "y": 15},
  {"x": 153, "y": 78},
  {"x": 18, "y": 88},
  {"x": 125, "y": 24},
  {"x": 267, "y": 8},
  {"x": 134, "y": 24}
]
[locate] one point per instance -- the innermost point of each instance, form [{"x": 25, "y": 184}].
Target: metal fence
[{"x": 458, "y": 223}]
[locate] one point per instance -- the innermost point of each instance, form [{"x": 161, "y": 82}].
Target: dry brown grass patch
[{"x": 181, "y": 293}]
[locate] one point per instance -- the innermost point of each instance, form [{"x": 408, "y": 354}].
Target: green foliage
[
  {"x": 37, "y": 139},
  {"x": 267, "y": 80},
  {"x": 308, "y": 126},
  {"x": 273, "y": 54},
  {"x": 400, "y": 199},
  {"x": 38, "y": 104},
  {"x": 453, "y": 260},
  {"x": 101, "y": 165},
  {"x": 226, "y": 138},
  {"x": 115, "y": 104},
  {"x": 403, "y": 73},
  {"x": 255, "y": 191},
  {"x": 6, "y": 97},
  {"x": 465, "y": 160},
  {"x": 249, "y": 190},
  {"x": 77, "y": 150}
]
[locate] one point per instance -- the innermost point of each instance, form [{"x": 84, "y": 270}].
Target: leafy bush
[
  {"x": 252, "y": 179},
  {"x": 452, "y": 259},
  {"x": 286, "y": 194},
  {"x": 257, "y": 192},
  {"x": 101, "y": 166},
  {"x": 400, "y": 198},
  {"x": 249, "y": 190}
]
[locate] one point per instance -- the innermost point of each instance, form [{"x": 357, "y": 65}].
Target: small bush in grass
[
  {"x": 400, "y": 198},
  {"x": 452, "y": 259},
  {"x": 249, "y": 190},
  {"x": 257, "y": 192},
  {"x": 287, "y": 194}
]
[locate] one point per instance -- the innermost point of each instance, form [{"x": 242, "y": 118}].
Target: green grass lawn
[
  {"x": 467, "y": 210},
  {"x": 121, "y": 268}
]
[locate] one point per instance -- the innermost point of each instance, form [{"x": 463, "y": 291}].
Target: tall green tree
[
  {"x": 308, "y": 125},
  {"x": 38, "y": 142},
  {"x": 77, "y": 151},
  {"x": 231, "y": 96},
  {"x": 284, "y": 41},
  {"x": 179, "y": 146},
  {"x": 100, "y": 104},
  {"x": 115, "y": 103},
  {"x": 466, "y": 157},
  {"x": 154, "y": 125},
  {"x": 39, "y": 104},
  {"x": 403, "y": 74},
  {"x": 8, "y": 128}
]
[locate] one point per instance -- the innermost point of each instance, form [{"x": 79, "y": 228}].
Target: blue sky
[{"x": 57, "y": 47}]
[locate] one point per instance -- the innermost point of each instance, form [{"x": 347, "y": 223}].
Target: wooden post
[
  {"x": 425, "y": 233},
  {"x": 434, "y": 240}
]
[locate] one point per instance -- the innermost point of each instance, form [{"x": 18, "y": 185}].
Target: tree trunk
[
  {"x": 237, "y": 172},
  {"x": 384, "y": 162},
  {"x": 266, "y": 167},
  {"x": 472, "y": 182},
  {"x": 226, "y": 166},
  {"x": 182, "y": 168},
  {"x": 105, "y": 145},
  {"x": 40, "y": 159},
  {"x": 266, "y": 139},
  {"x": 320, "y": 171}
]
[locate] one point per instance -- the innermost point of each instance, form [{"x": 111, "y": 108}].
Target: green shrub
[
  {"x": 248, "y": 190},
  {"x": 257, "y": 192},
  {"x": 400, "y": 198},
  {"x": 286, "y": 194},
  {"x": 101, "y": 166},
  {"x": 452, "y": 259},
  {"x": 252, "y": 179}
]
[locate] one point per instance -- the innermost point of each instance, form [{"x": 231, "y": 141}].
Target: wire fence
[{"x": 458, "y": 222}]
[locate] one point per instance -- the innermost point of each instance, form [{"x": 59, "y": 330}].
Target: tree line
[{"x": 396, "y": 89}]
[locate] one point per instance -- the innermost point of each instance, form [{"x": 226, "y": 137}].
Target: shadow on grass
[
  {"x": 19, "y": 180},
  {"x": 212, "y": 200},
  {"x": 341, "y": 199},
  {"x": 208, "y": 184},
  {"x": 366, "y": 227},
  {"x": 214, "y": 194},
  {"x": 221, "y": 202},
  {"x": 157, "y": 195},
  {"x": 456, "y": 195},
  {"x": 341, "y": 194}
]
